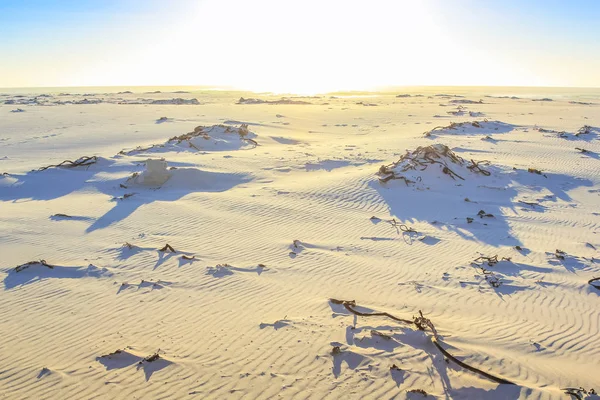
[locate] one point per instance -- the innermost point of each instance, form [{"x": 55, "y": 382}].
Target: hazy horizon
[{"x": 299, "y": 47}]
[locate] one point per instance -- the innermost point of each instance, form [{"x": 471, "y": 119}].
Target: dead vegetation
[
  {"x": 421, "y": 323},
  {"x": 397, "y": 225},
  {"x": 490, "y": 277},
  {"x": 424, "y": 156},
  {"x": 579, "y": 393},
  {"x": 167, "y": 248},
  {"x": 43, "y": 263},
  {"x": 150, "y": 358},
  {"x": 595, "y": 285},
  {"x": 454, "y": 125},
  {"x": 202, "y": 132},
  {"x": 84, "y": 161},
  {"x": 283, "y": 100},
  {"x": 536, "y": 171},
  {"x": 584, "y": 130}
]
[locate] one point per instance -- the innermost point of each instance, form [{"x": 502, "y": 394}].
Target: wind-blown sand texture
[{"x": 218, "y": 283}]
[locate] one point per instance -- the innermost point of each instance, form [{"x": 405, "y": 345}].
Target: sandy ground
[{"x": 274, "y": 227}]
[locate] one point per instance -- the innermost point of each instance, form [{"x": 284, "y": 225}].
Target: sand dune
[{"x": 487, "y": 225}]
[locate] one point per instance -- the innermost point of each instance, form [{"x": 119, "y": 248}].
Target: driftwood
[
  {"x": 595, "y": 285},
  {"x": 483, "y": 214},
  {"x": 399, "y": 226},
  {"x": 80, "y": 162},
  {"x": 114, "y": 353},
  {"x": 419, "y": 391},
  {"x": 167, "y": 247},
  {"x": 584, "y": 130},
  {"x": 578, "y": 393},
  {"x": 151, "y": 358},
  {"x": 536, "y": 171},
  {"x": 491, "y": 261},
  {"x": 423, "y": 324},
  {"x": 21, "y": 267},
  {"x": 475, "y": 167}
]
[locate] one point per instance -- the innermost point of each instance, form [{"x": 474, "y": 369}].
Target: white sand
[{"x": 250, "y": 331}]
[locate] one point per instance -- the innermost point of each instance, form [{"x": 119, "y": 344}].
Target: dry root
[
  {"x": 80, "y": 162},
  {"x": 423, "y": 324}
]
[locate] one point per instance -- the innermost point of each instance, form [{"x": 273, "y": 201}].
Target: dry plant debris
[
  {"x": 150, "y": 358},
  {"x": 423, "y": 324},
  {"x": 399, "y": 226},
  {"x": 454, "y": 125},
  {"x": 579, "y": 393},
  {"x": 584, "y": 130},
  {"x": 419, "y": 391},
  {"x": 167, "y": 248},
  {"x": 84, "y": 161},
  {"x": 43, "y": 263},
  {"x": 595, "y": 285},
  {"x": 424, "y": 156}
]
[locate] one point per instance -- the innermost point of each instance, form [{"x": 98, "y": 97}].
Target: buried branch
[
  {"x": 21, "y": 267},
  {"x": 422, "y": 324},
  {"x": 80, "y": 162}
]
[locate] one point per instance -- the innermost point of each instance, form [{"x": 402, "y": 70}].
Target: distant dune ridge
[{"x": 419, "y": 243}]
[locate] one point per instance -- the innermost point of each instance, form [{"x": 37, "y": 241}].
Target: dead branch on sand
[
  {"x": 491, "y": 261},
  {"x": 584, "y": 130},
  {"x": 167, "y": 248},
  {"x": 150, "y": 358},
  {"x": 578, "y": 393},
  {"x": 399, "y": 226},
  {"x": 21, "y": 267},
  {"x": 84, "y": 161},
  {"x": 475, "y": 167},
  {"x": 422, "y": 324},
  {"x": 595, "y": 285}
]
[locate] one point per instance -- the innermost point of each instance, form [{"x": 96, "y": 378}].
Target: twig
[
  {"x": 595, "y": 285},
  {"x": 421, "y": 323},
  {"x": 166, "y": 248}
]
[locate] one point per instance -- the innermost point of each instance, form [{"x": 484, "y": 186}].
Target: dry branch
[
  {"x": 80, "y": 162},
  {"x": 595, "y": 285},
  {"x": 423, "y": 324},
  {"x": 167, "y": 247},
  {"x": 21, "y": 267}
]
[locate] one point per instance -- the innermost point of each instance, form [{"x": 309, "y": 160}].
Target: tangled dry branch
[{"x": 84, "y": 161}]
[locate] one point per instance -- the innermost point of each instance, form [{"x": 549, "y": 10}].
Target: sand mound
[
  {"x": 472, "y": 127},
  {"x": 202, "y": 138},
  {"x": 411, "y": 167}
]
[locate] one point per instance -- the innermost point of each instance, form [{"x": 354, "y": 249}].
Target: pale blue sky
[{"x": 303, "y": 46}]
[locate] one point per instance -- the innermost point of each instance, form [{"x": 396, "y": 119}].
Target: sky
[{"x": 299, "y": 46}]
